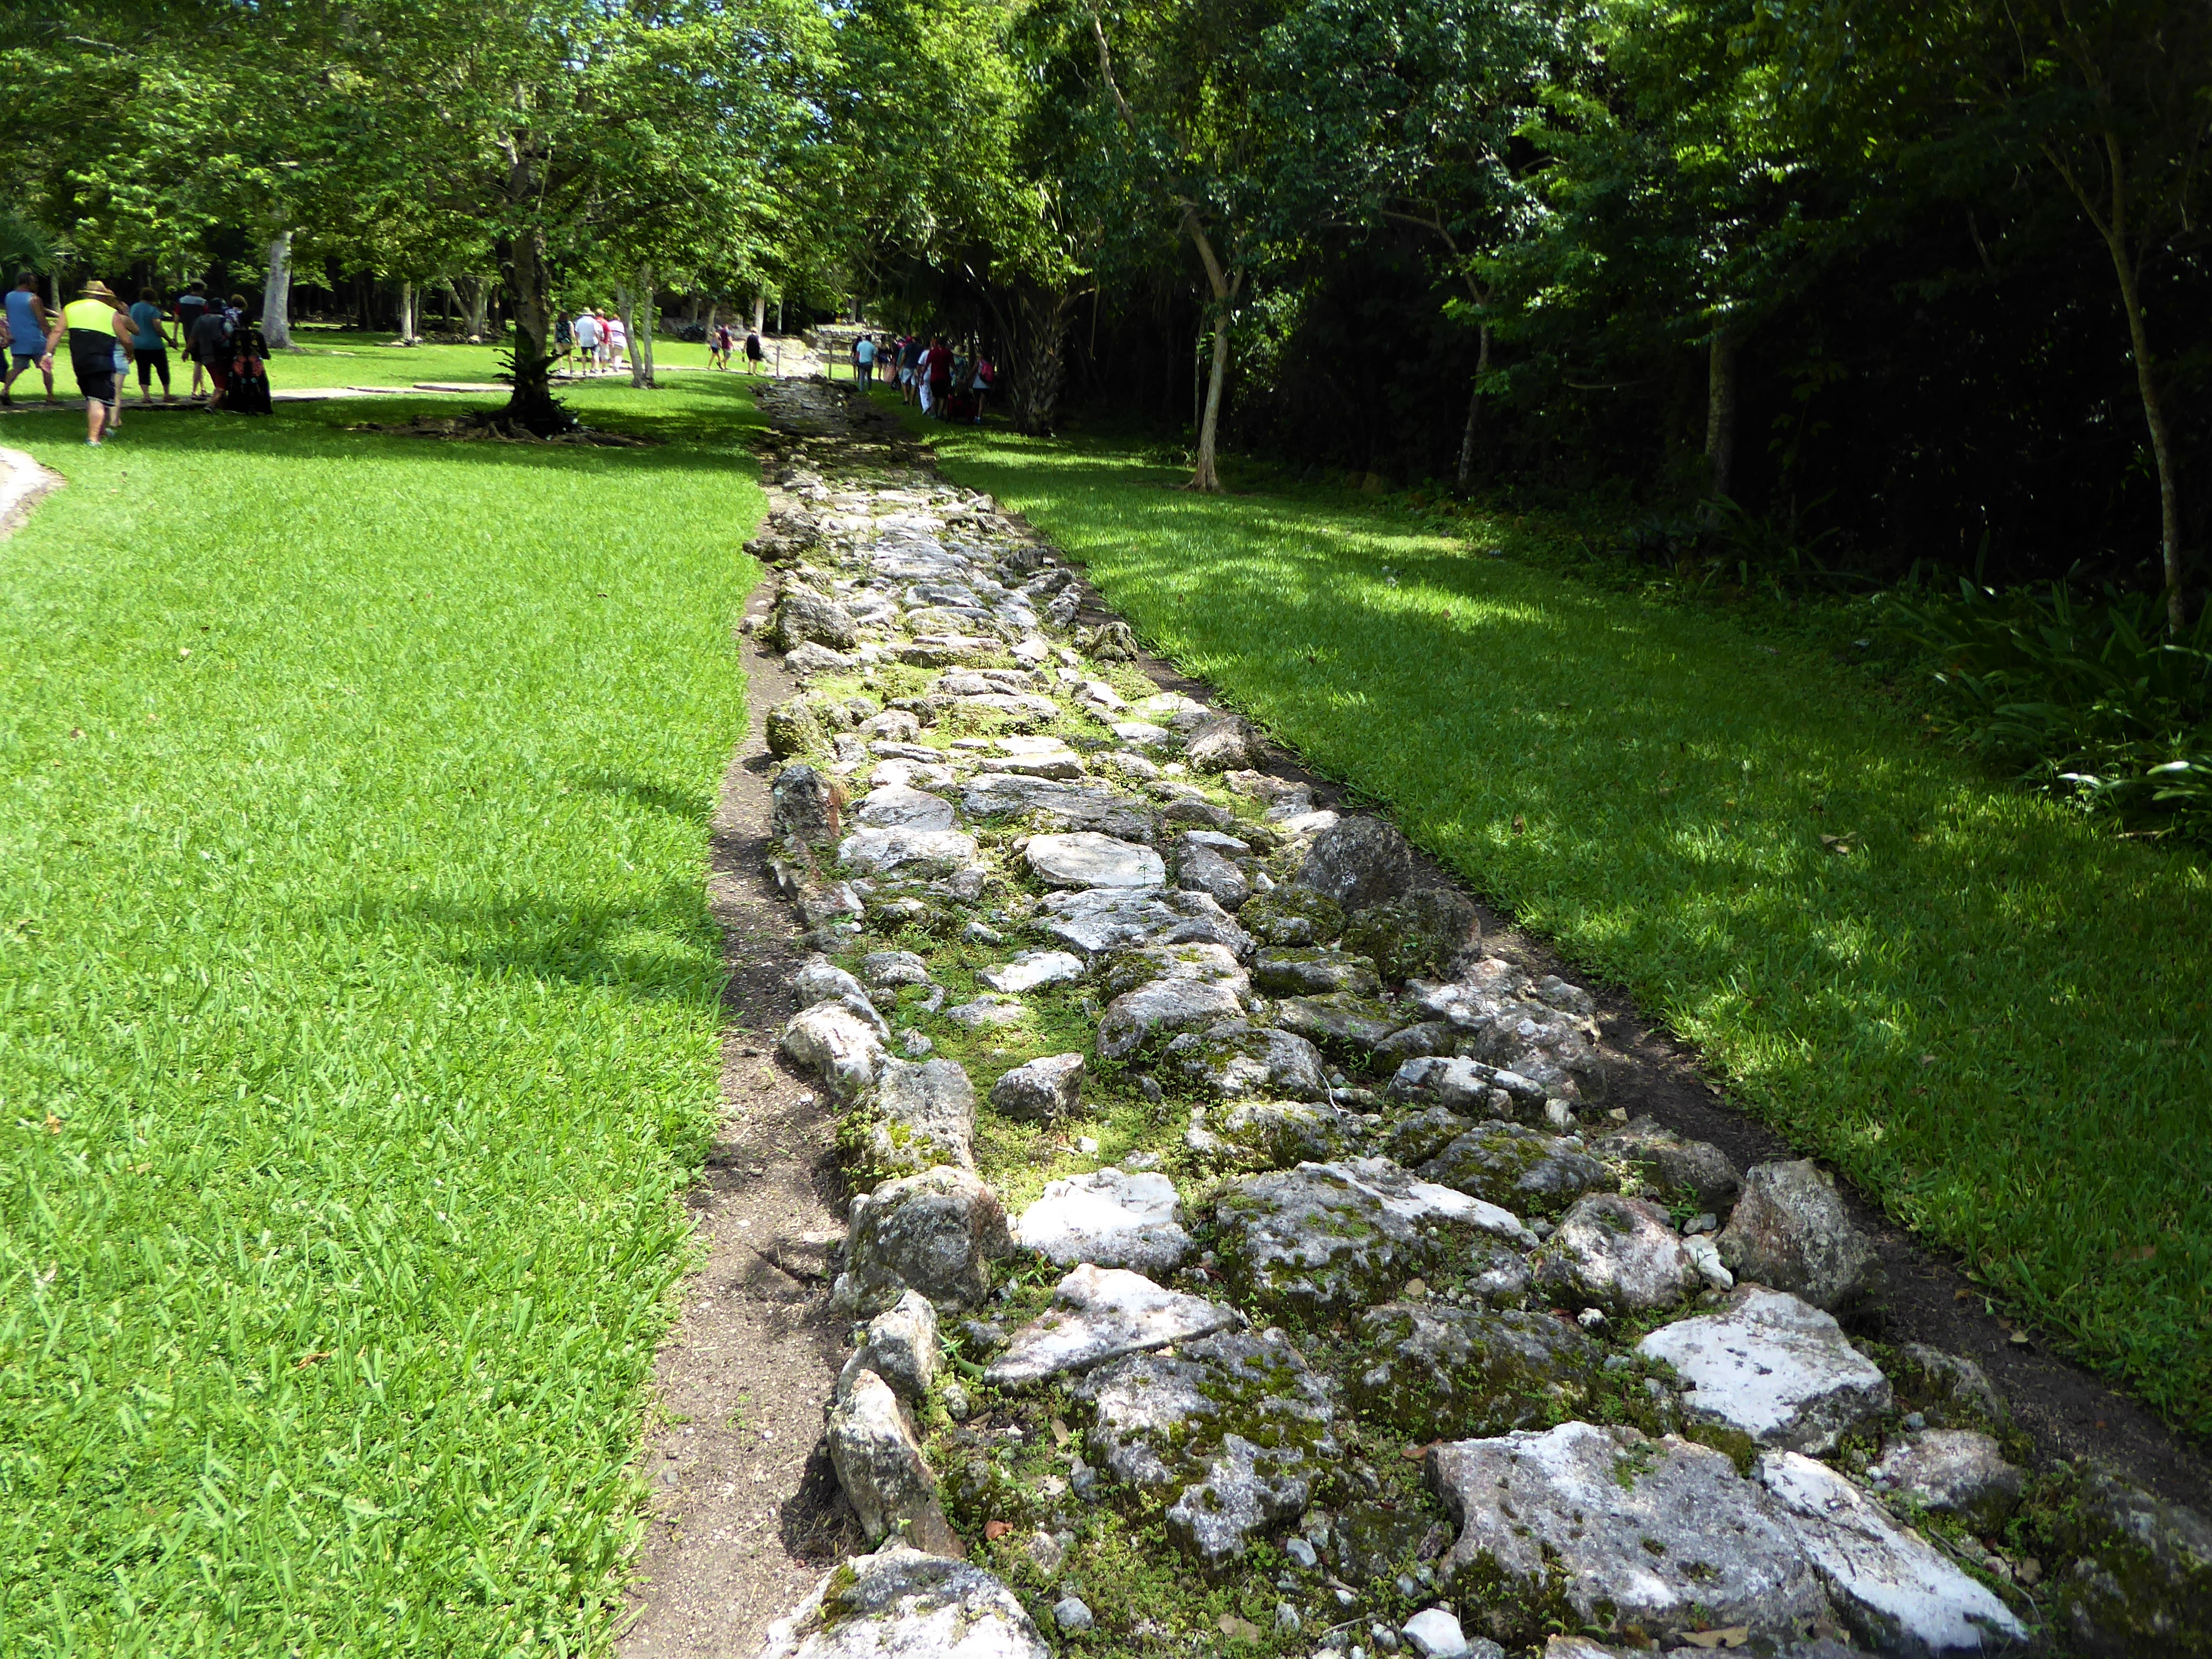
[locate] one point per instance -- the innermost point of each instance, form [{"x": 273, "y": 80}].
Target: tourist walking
[
  {"x": 210, "y": 345},
  {"x": 753, "y": 352},
  {"x": 587, "y": 342},
  {"x": 909, "y": 368},
  {"x": 937, "y": 379},
  {"x": 986, "y": 377},
  {"x": 249, "y": 371},
  {"x": 720, "y": 344},
  {"x": 564, "y": 339},
  {"x": 617, "y": 338},
  {"x": 26, "y": 317},
  {"x": 191, "y": 306},
  {"x": 864, "y": 360},
  {"x": 150, "y": 341},
  {"x": 98, "y": 328}
]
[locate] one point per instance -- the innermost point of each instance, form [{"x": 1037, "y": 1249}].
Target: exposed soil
[{"x": 747, "y": 1513}]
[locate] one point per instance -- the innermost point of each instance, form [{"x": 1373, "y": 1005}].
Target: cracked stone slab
[
  {"x": 1056, "y": 804},
  {"x": 914, "y": 851},
  {"x": 1098, "y": 920},
  {"x": 1617, "y": 1533},
  {"x": 1890, "y": 1584},
  {"x": 1163, "y": 1008},
  {"x": 1086, "y": 858},
  {"x": 1108, "y": 1219},
  {"x": 1439, "y": 1372},
  {"x": 1235, "y": 1060},
  {"x": 921, "y": 1115},
  {"x": 1032, "y": 969},
  {"x": 895, "y": 807},
  {"x": 1326, "y": 1238},
  {"x": 1100, "y": 1314},
  {"x": 1772, "y": 1367}
]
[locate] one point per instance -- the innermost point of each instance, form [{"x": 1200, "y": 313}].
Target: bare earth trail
[{"x": 748, "y": 1515}]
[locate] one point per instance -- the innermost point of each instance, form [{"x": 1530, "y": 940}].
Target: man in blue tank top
[{"x": 27, "y": 336}]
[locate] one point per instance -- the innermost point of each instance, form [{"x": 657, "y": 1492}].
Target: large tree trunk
[
  {"x": 1032, "y": 321},
  {"x": 405, "y": 322},
  {"x": 475, "y": 298},
  {"x": 760, "y": 312},
  {"x": 532, "y": 406},
  {"x": 1720, "y": 409},
  {"x": 1473, "y": 411},
  {"x": 276, "y": 294}
]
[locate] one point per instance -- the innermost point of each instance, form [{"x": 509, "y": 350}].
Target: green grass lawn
[
  {"x": 1996, "y": 1018},
  {"x": 358, "y": 1014}
]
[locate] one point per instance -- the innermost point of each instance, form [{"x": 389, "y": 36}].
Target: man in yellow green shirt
[{"x": 95, "y": 323}]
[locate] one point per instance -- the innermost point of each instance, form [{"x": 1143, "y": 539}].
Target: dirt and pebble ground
[{"x": 1422, "y": 1221}]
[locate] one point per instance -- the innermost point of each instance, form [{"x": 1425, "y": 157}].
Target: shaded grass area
[
  {"x": 1993, "y": 1017},
  {"x": 358, "y": 1016}
]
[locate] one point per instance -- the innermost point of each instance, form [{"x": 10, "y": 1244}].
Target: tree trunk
[
  {"x": 404, "y": 322},
  {"x": 475, "y": 295},
  {"x": 2169, "y": 491},
  {"x": 1473, "y": 411},
  {"x": 1720, "y": 409},
  {"x": 760, "y": 312},
  {"x": 1207, "y": 476},
  {"x": 532, "y": 406},
  {"x": 1032, "y": 325},
  {"x": 644, "y": 304},
  {"x": 276, "y": 294}
]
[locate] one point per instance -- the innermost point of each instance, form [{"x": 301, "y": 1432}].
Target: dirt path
[{"x": 747, "y": 1512}]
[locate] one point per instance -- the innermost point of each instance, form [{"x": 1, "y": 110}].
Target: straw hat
[{"x": 96, "y": 289}]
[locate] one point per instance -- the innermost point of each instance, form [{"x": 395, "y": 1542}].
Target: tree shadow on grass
[{"x": 659, "y": 798}]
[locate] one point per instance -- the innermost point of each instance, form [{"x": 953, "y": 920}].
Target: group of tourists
[
  {"x": 722, "y": 347},
  {"x": 106, "y": 337},
  {"x": 590, "y": 342},
  {"x": 950, "y": 386}
]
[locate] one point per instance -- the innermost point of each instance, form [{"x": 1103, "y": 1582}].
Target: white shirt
[{"x": 587, "y": 331}]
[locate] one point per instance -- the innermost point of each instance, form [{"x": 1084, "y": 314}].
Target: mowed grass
[
  {"x": 358, "y": 1017},
  {"x": 1995, "y": 1017}
]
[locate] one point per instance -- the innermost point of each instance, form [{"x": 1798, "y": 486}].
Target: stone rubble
[{"x": 1400, "y": 1208}]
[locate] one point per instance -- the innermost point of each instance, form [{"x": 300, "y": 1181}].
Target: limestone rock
[
  {"x": 901, "y": 1603},
  {"x": 1125, "y": 970},
  {"x": 1339, "y": 1019},
  {"x": 805, "y": 803},
  {"x": 889, "y": 970},
  {"x": 1313, "y": 970},
  {"x": 1774, "y": 1368},
  {"x": 1501, "y": 1019},
  {"x": 1084, "y": 858},
  {"x": 801, "y": 614},
  {"x": 895, "y": 807},
  {"x": 1100, "y": 1314},
  {"x": 1670, "y": 1164},
  {"x": 793, "y": 727},
  {"x": 1519, "y": 1168},
  {"x": 1163, "y": 1008},
  {"x": 1470, "y": 1087},
  {"x": 1949, "y": 1390},
  {"x": 1326, "y": 1238},
  {"x": 900, "y": 1346},
  {"x": 907, "y": 851},
  {"x": 1358, "y": 862},
  {"x": 1238, "y": 1423},
  {"x": 1204, "y": 869},
  {"x": 1032, "y": 969},
  {"x": 2141, "y": 1579},
  {"x": 841, "y": 1042},
  {"x": 1960, "y": 1472},
  {"x": 1890, "y": 1584},
  {"x": 1428, "y": 931},
  {"x": 1791, "y": 1231},
  {"x": 937, "y": 1232},
  {"x": 1233, "y": 1061},
  {"x": 808, "y": 658},
  {"x": 880, "y": 1465},
  {"x": 1293, "y": 915},
  {"x": 1438, "y": 1372},
  {"x": 1043, "y": 1088},
  {"x": 1110, "y": 1218},
  {"x": 820, "y": 980},
  {"x": 1619, "y": 1253},
  {"x": 1279, "y": 1134},
  {"x": 1100, "y": 919},
  {"x": 921, "y": 1115},
  {"x": 1059, "y": 806},
  {"x": 1619, "y": 1533},
  {"x": 993, "y": 1009},
  {"x": 1415, "y": 1140},
  {"x": 1226, "y": 743}
]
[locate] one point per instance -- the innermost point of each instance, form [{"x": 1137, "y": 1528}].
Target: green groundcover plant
[{"x": 359, "y": 1007}]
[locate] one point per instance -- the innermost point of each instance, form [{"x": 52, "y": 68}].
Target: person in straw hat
[{"x": 96, "y": 325}]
